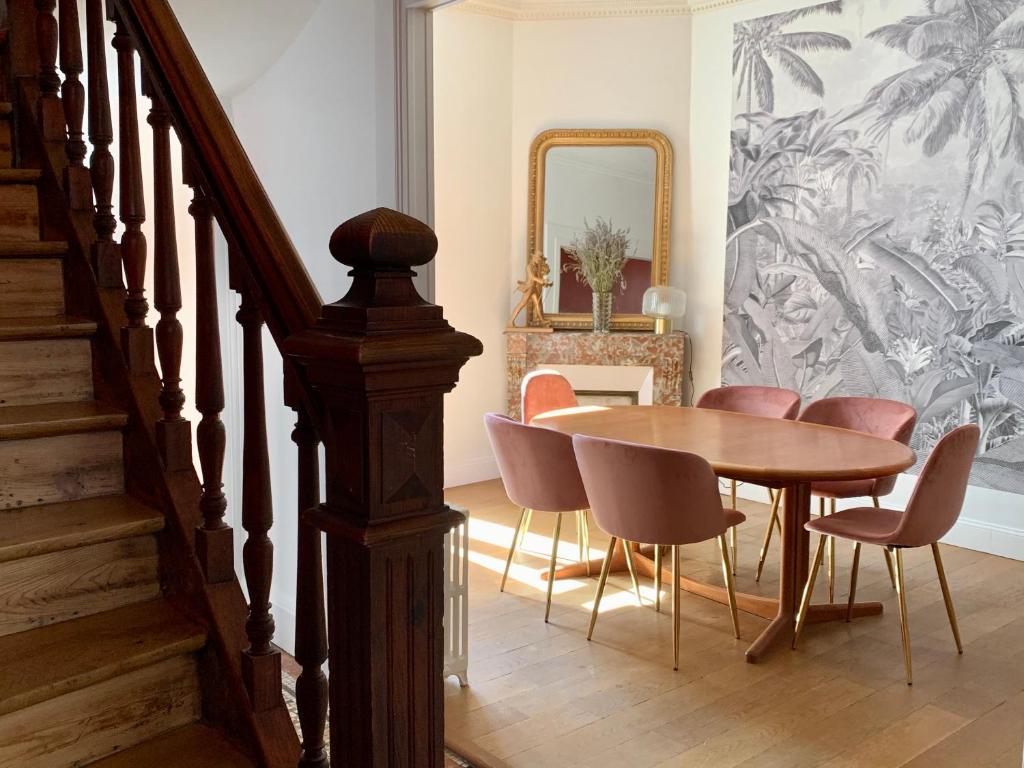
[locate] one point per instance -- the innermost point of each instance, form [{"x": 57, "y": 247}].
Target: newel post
[{"x": 380, "y": 361}]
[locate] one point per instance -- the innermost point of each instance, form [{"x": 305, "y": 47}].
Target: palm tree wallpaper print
[{"x": 875, "y": 230}]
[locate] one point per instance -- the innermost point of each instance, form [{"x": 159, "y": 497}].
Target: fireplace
[{"x": 604, "y": 369}]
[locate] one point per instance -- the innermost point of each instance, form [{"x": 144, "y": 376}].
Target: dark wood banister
[{"x": 202, "y": 125}]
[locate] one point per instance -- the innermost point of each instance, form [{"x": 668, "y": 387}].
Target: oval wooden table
[{"x": 771, "y": 452}]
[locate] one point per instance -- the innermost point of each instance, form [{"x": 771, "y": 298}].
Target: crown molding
[{"x": 555, "y": 10}]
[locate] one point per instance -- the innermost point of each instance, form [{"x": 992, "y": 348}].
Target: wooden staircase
[
  {"x": 99, "y": 667},
  {"x": 125, "y": 638}
]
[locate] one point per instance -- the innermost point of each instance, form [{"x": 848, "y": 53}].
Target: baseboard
[
  {"x": 471, "y": 471},
  {"x": 969, "y": 532},
  {"x": 284, "y": 628},
  {"x": 992, "y": 538}
]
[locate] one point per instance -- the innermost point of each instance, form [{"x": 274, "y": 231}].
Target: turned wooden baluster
[
  {"x": 173, "y": 433},
  {"x": 106, "y": 260},
  {"x": 72, "y": 91},
  {"x": 214, "y": 538},
  {"x": 261, "y": 663},
  {"x": 310, "y": 620},
  {"x": 51, "y": 113},
  {"x": 136, "y": 339},
  {"x": 46, "y": 41}
]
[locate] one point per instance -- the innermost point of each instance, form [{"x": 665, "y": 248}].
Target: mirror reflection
[{"x": 588, "y": 186}]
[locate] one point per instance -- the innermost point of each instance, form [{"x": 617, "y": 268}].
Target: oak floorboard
[{"x": 540, "y": 695}]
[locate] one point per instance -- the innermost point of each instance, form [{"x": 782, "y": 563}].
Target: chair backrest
[
  {"x": 537, "y": 465},
  {"x": 650, "y": 495},
  {"x": 876, "y": 416},
  {"x": 776, "y": 402},
  {"x": 939, "y": 494},
  {"x": 544, "y": 391}
]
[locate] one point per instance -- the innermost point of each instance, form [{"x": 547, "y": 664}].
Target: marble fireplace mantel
[{"x": 665, "y": 355}]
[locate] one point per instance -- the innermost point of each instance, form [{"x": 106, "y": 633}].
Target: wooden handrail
[{"x": 292, "y": 300}]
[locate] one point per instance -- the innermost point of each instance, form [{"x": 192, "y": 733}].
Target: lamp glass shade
[{"x": 664, "y": 301}]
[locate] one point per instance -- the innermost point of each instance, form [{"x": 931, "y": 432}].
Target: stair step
[
  {"x": 60, "y": 468},
  {"x": 32, "y": 249},
  {"x": 20, "y": 422},
  {"x": 39, "y": 530},
  {"x": 19, "y": 203},
  {"x": 194, "y": 746},
  {"x": 56, "y": 660},
  {"x": 37, "y": 371},
  {"x": 20, "y": 175},
  {"x": 92, "y": 723},
  {"x": 60, "y": 586},
  {"x": 59, "y": 327},
  {"x": 31, "y": 286}
]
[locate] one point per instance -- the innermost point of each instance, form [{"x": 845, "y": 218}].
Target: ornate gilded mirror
[{"x": 620, "y": 177}]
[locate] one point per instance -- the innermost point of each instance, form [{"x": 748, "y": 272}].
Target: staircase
[
  {"x": 125, "y": 638},
  {"x": 99, "y": 667}
]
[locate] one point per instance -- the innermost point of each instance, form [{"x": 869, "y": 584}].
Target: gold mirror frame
[{"x": 662, "y": 212}]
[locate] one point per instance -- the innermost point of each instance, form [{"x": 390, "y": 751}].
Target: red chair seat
[{"x": 733, "y": 517}]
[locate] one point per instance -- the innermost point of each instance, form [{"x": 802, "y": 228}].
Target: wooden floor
[{"x": 541, "y": 695}]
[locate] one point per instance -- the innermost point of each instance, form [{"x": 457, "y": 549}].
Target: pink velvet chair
[
  {"x": 932, "y": 510},
  {"x": 635, "y": 492},
  {"x": 772, "y": 402},
  {"x": 538, "y": 469},
  {"x": 543, "y": 391},
  {"x": 876, "y": 416}
]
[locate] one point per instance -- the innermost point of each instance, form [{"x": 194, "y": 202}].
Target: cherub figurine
[{"x": 532, "y": 289}]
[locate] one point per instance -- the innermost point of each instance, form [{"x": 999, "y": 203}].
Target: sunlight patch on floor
[{"x": 524, "y": 574}]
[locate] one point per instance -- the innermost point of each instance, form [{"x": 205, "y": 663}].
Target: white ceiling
[{"x": 238, "y": 40}]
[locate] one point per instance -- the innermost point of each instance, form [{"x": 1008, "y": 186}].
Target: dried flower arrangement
[{"x": 600, "y": 256}]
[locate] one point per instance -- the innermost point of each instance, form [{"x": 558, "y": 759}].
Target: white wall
[
  {"x": 319, "y": 126},
  {"x": 588, "y": 73},
  {"x": 472, "y": 182}
]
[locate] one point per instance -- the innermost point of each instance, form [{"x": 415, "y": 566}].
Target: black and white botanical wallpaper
[{"x": 875, "y": 233}]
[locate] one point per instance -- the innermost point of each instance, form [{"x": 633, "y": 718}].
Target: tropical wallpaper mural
[{"x": 876, "y": 213}]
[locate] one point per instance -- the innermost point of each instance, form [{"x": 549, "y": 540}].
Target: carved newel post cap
[{"x": 383, "y": 240}]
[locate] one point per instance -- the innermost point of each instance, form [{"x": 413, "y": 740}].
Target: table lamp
[{"x": 663, "y": 302}]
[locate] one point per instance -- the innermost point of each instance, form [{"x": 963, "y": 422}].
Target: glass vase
[{"x": 602, "y": 311}]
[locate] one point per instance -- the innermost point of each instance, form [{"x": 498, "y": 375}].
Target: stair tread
[
  {"x": 44, "y": 528},
  {"x": 32, "y": 248},
  {"x": 20, "y": 175},
  {"x": 194, "y": 746},
  {"x": 59, "y": 327},
  {"x": 60, "y": 658},
  {"x": 28, "y": 421}
]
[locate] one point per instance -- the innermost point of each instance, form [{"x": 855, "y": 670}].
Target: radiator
[{"x": 456, "y": 600}]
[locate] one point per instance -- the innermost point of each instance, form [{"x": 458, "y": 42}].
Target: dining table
[{"x": 775, "y": 453}]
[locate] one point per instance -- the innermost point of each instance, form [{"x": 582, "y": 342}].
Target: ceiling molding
[{"x": 554, "y": 10}]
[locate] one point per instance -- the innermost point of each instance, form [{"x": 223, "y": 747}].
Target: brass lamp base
[{"x": 663, "y": 325}]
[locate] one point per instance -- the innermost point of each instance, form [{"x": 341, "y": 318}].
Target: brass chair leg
[
  {"x": 657, "y": 578},
  {"x": 626, "y": 547},
  {"x": 730, "y": 587},
  {"x": 832, "y": 559},
  {"x": 950, "y": 611},
  {"x": 901, "y": 593},
  {"x": 773, "y": 520},
  {"x": 676, "y": 593},
  {"x": 551, "y": 568},
  {"x": 886, "y": 552},
  {"x": 805, "y": 602},
  {"x": 579, "y": 535},
  {"x": 605, "y": 567},
  {"x": 732, "y": 531},
  {"x": 517, "y": 537},
  {"x": 586, "y": 537},
  {"x": 853, "y": 581}
]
